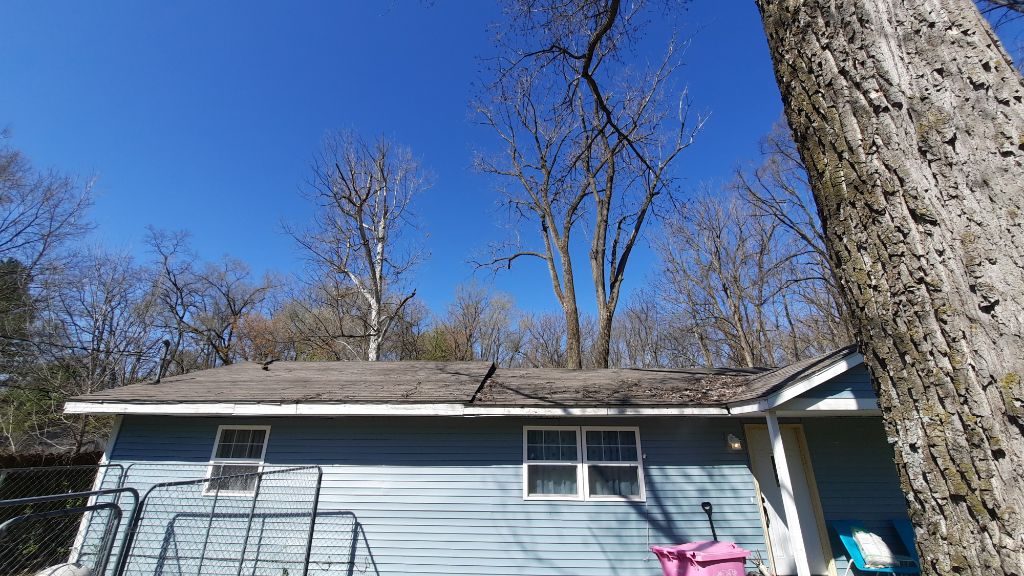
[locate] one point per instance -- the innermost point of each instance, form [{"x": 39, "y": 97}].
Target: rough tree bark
[{"x": 910, "y": 119}]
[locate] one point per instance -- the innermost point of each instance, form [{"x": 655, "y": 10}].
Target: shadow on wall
[{"x": 258, "y": 543}]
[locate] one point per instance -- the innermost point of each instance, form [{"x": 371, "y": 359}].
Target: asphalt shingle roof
[
  {"x": 613, "y": 387},
  {"x": 321, "y": 382},
  {"x": 467, "y": 383},
  {"x": 772, "y": 381}
]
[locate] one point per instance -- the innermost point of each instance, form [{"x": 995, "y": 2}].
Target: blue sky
[{"x": 204, "y": 115}]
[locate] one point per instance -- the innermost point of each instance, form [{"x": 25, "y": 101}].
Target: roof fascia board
[
  {"x": 262, "y": 409},
  {"x": 799, "y": 387},
  {"x": 266, "y": 409},
  {"x": 594, "y": 411}
]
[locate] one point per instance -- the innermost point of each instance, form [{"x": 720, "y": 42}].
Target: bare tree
[
  {"x": 587, "y": 140},
  {"x": 544, "y": 345},
  {"x": 40, "y": 210},
  {"x": 405, "y": 338},
  {"x": 326, "y": 320},
  {"x": 363, "y": 195},
  {"x": 908, "y": 117},
  {"x": 201, "y": 305},
  {"x": 778, "y": 189},
  {"x": 100, "y": 330},
  {"x": 259, "y": 338},
  {"x": 480, "y": 325},
  {"x": 723, "y": 267},
  {"x": 177, "y": 295},
  {"x": 228, "y": 294},
  {"x": 639, "y": 339},
  {"x": 94, "y": 330},
  {"x": 743, "y": 282}
]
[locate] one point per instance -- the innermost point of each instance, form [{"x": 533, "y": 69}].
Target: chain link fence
[
  {"x": 62, "y": 515},
  {"x": 257, "y": 523}
]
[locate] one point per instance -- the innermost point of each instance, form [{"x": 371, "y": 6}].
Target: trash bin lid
[{"x": 707, "y": 550}]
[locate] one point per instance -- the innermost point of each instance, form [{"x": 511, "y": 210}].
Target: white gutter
[
  {"x": 294, "y": 409},
  {"x": 262, "y": 409},
  {"x": 607, "y": 411}
]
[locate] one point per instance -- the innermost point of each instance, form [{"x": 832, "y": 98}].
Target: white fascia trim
[
  {"x": 263, "y": 409},
  {"x": 232, "y": 409},
  {"x": 612, "y": 411},
  {"x": 800, "y": 386}
]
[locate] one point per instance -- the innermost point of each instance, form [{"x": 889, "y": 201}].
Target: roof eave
[
  {"x": 339, "y": 409},
  {"x": 800, "y": 386}
]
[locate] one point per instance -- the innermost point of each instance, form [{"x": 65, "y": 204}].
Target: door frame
[{"x": 812, "y": 487}]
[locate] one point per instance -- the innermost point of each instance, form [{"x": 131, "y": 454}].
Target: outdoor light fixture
[{"x": 733, "y": 442}]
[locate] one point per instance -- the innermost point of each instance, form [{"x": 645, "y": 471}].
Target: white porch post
[{"x": 796, "y": 537}]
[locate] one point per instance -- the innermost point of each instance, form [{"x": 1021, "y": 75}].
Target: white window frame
[
  {"x": 527, "y": 463},
  {"x": 582, "y": 464},
  {"x": 639, "y": 463},
  {"x": 215, "y": 461}
]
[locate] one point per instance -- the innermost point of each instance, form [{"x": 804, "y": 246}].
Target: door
[{"x": 762, "y": 464}]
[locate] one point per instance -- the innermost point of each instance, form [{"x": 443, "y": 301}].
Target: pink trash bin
[{"x": 707, "y": 558}]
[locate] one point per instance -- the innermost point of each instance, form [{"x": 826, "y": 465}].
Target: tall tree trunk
[
  {"x": 375, "y": 337},
  {"x": 910, "y": 119},
  {"x": 603, "y": 342},
  {"x": 573, "y": 340},
  {"x": 83, "y": 422}
]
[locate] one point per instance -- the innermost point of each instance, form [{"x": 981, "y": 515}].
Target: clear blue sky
[{"x": 204, "y": 115}]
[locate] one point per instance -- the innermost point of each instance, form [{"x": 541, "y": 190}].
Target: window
[
  {"x": 552, "y": 463},
  {"x": 237, "y": 452},
  {"x": 588, "y": 463}
]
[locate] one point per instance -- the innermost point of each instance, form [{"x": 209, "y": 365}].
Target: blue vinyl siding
[
  {"x": 856, "y": 477},
  {"x": 444, "y": 495},
  {"x": 854, "y": 383}
]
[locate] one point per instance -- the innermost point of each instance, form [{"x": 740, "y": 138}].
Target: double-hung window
[
  {"x": 582, "y": 463},
  {"x": 238, "y": 453},
  {"x": 552, "y": 463}
]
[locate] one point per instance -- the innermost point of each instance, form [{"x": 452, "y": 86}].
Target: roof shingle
[
  {"x": 320, "y": 382},
  {"x": 466, "y": 383}
]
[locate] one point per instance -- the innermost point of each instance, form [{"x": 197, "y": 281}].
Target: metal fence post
[
  {"x": 248, "y": 525},
  {"x": 209, "y": 525},
  {"x": 312, "y": 520},
  {"x": 129, "y": 535}
]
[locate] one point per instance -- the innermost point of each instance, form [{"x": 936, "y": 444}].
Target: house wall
[
  {"x": 444, "y": 496},
  {"x": 855, "y": 383},
  {"x": 856, "y": 476}
]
